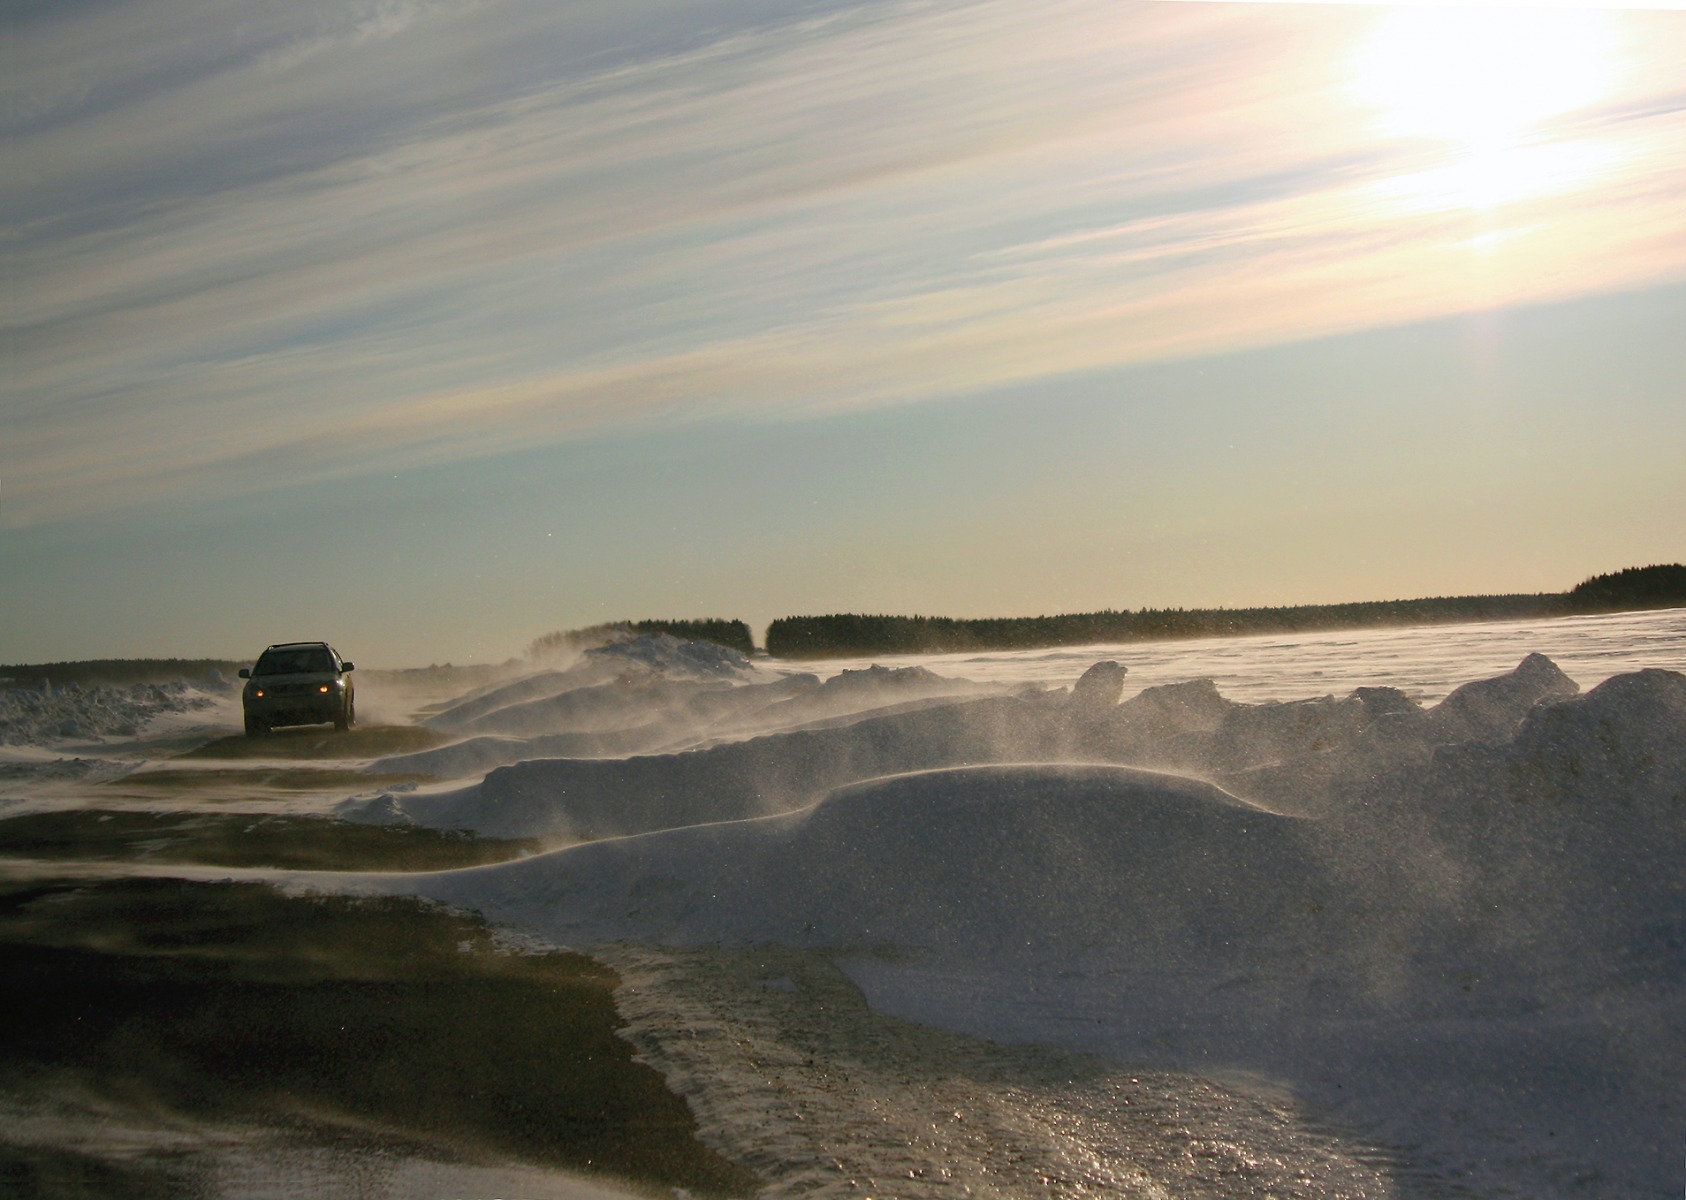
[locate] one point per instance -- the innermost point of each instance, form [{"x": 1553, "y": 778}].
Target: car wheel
[
  {"x": 342, "y": 719},
  {"x": 255, "y": 727}
]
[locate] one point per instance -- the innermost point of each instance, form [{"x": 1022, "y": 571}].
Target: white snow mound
[{"x": 1461, "y": 928}]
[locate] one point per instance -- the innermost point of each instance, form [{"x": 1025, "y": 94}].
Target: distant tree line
[
  {"x": 119, "y": 672},
  {"x": 851, "y": 634},
  {"x": 1634, "y": 588},
  {"x": 732, "y": 634}
]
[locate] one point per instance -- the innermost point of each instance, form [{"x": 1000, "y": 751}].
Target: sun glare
[
  {"x": 1485, "y": 83},
  {"x": 1480, "y": 75}
]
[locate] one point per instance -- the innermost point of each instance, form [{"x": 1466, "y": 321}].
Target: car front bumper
[{"x": 294, "y": 704}]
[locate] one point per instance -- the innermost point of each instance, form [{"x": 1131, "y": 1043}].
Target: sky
[{"x": 431, "y": 327}]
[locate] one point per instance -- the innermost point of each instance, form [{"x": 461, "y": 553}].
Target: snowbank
[
  {"x": 1461, "y": 928},
  {"x": 649, "y": 695},
  {"x": 46, "y": 716},
  {"x": 1310, "y": 756}
]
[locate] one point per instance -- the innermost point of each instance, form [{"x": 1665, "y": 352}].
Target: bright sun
[{"x": 1485, "y": 82}]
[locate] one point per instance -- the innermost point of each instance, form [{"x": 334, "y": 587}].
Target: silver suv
[{"x": 298, "y": 683}]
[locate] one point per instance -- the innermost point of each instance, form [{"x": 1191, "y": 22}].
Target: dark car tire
[
  {"x": 342, "y": 719},
  {"x": 255, "y": 727}
]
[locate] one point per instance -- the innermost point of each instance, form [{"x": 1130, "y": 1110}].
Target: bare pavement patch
[
  {"x": 285, "y": 763},
  {"x": 246, "y": 840},
  {"x": 203, "y": 1037},
  {"x": 196, "y": 1013},
  {"x": 314, "y": 743}
]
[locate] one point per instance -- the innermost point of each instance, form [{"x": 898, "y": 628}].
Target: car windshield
[{"x": 294, "y": 661}]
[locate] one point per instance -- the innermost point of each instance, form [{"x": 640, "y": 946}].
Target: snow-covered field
[{"x": 1398, "y": 913}]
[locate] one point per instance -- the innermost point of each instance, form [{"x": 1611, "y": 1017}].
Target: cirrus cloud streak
[{"x": 345, "y": 237}]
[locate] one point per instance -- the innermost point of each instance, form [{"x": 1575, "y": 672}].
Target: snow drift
[
  {"x": 1461, "y": 928},
  {"x": 655, "y": 694},
  {"x": 1303, "y": 756},
  {"x": 46, "y": 716}
]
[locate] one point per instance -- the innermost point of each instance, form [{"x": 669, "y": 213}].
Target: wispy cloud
[{"x": 336, "y": 237}]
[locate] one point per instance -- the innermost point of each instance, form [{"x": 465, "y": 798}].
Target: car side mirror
[
  {"x": 348, "y": 667},
  {"x": 245, "y": 673}
]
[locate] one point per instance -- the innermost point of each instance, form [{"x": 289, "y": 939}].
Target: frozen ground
[
  {"x": 1386, "y": 914},
  {"x": 1454, "y": 931}
]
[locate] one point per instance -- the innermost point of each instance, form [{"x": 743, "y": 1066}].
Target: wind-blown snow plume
[{"x": 1447, "y": 926}]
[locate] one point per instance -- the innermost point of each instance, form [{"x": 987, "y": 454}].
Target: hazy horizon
[{"x": 430, "y": 327}]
